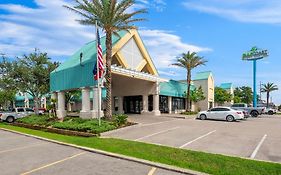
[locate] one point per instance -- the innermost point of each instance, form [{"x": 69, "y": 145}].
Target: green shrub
[
  {"x": 189, "y": 113},
  {"x": 84, "y": 125},
  {"x": 39, "y": 120},
  {"x": 120, "y": 119}
]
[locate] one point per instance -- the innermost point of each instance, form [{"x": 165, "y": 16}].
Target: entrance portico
[{"x": 132, "y": 90}]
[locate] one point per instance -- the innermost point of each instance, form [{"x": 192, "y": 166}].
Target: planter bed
[{"x": 55, "y": 130}]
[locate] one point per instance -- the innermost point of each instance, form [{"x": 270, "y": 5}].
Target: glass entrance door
[{"x": 133, "y": 104}]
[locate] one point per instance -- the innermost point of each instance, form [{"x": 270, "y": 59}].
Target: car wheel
[
  {"x": 270, "y": 112},
  {"x": 229, "y": 118},
  {"x": 203, "y": 117},
  {"x": 254, "y": 113},
  {"x": 10, "y": 119}
]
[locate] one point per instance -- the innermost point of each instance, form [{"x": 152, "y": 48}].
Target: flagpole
[{"x": 98, "y": 76}]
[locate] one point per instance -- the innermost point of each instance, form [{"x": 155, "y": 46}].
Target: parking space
[
  {"x": 25, "y": 155},
  {"x": 257, "y": 138}
]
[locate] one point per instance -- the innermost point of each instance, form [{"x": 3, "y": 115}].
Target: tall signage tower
[{"x": 253, "y": 55}]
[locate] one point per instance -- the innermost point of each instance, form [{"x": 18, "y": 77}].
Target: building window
[
  {"x": 178, "y": 103},
  {"x": 163, "y": 104}
]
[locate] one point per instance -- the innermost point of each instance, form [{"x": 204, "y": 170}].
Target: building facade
[{"x": 136, "y": 85}]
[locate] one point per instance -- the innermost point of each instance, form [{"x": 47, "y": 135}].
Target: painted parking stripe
[
  {"x": 152, "y": 171},
  {"x": 51, "y": 164},
  {"x": 24, "y": 147},
  {"x": 198, "y": 138},
  {"x": 161, "y": 132},
  {"x": 157, "y": 123},
  {"x": 253, "y": 155}
]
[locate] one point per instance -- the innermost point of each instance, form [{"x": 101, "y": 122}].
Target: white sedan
[{"x": 221, "y": 113}]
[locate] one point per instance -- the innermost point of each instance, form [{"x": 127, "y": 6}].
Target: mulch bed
[{"x": 55, "y": 130}]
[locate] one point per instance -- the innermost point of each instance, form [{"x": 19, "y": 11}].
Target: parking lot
[
  {"x": 256, "y": 138},
  {"x": 25, "y": 155}
]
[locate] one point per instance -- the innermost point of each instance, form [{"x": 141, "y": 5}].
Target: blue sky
[{"x": 218, "y": 30}]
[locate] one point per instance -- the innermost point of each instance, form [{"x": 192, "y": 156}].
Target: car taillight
[{"x": 239, "y": 112}]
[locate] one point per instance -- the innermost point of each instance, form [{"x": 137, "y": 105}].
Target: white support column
[
  {"x": 170, "y": 104},
  {"x": 120, "y": 105},
  {"x": 95, "y": 103},
  {"x": 26, "y": 100},
  {"x": 61, "y": 112},
  {"x": 85, "y": 113},
  {"x": 145, "y": 103},
  {"x": 156, "y": 110}
]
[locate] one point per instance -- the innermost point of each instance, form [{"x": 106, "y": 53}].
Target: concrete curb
[{"x": 141, "y": 161}]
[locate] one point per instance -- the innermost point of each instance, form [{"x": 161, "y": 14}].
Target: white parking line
[
  {"x": 161, "y": 132},
  {"x": 151, "y": 172},
  {"x": 157, "y": 123},
  {"x": 197, "y": 139},
  {"x": 253, "y": 155},
  {"x": 51, "y": 164}
]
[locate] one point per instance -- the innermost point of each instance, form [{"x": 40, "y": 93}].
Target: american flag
[{"x": 99, "y": 59}]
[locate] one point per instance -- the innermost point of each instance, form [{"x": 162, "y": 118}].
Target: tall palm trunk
[
  {"x": 188, "y": 90},
  {"x": 108, "y": 112},
  {"x": 267, "y": 99}
]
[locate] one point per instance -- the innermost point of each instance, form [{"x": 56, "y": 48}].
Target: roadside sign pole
[{"x": 255, "y": 83}]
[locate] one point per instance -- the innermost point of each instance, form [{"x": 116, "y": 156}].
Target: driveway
[
  {"x": 256, "y": 138},
  {"x": 25, "y": 155}
]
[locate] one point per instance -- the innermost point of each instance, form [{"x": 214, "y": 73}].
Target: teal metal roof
[
  {"x": 22, "y": 98},
  {"x": 226, "y": 85},
  {"x": 202, "y": 75},
  {"x": 71, "y": 74},
  {"x": 174, "y": 88}
]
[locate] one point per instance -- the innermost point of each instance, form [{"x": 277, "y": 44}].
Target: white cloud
[
  {"x": 164, "y": 46},
  {"x": 51, "y": 28},
  {"x": 258, "y": 11},
  {"x": 158, "y": 5}
]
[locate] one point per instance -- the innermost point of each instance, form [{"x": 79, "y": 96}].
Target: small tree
[
  {"x": 6, "y": 98},
  {"x": 29, "y": 74},
  {"x": 197, "y": 95},
  {"x": 189, "y": 61},
  {"x": 243, "y": 93},
  {"x": 267, "y": 88},
  {"x": 222, "y": 96},
  {"x": 70, "y": 96}
]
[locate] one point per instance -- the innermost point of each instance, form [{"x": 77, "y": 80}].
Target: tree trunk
[
  {"x": 36, "y": 104},
  {"x": 267, "y": 99},
  {"x": 188, "y": 90},
  {"x": 108, "y": 112}
]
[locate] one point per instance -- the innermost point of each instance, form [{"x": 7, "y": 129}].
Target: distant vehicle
[
  {"x": 221, "y": 113},
  {"x": 270, "y": 111},
  {"x": 41, "y": 111},
  {"x": 253, "y": 111},
  {"x": 16, "y": 113}
]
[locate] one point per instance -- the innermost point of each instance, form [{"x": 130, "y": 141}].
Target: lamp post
[{"x": 253, "y": 55}]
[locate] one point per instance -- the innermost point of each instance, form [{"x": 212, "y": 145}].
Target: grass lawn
[{"x": 199, "y": 161}]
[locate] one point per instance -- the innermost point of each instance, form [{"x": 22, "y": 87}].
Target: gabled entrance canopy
[{"x": 128, "y": 53}]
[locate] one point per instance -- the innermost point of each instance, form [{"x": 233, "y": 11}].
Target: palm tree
[
  {"x": 112, "y": 16},
  {"x": 189, "y": 61},
  {"x": 267, "y": 88}
]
